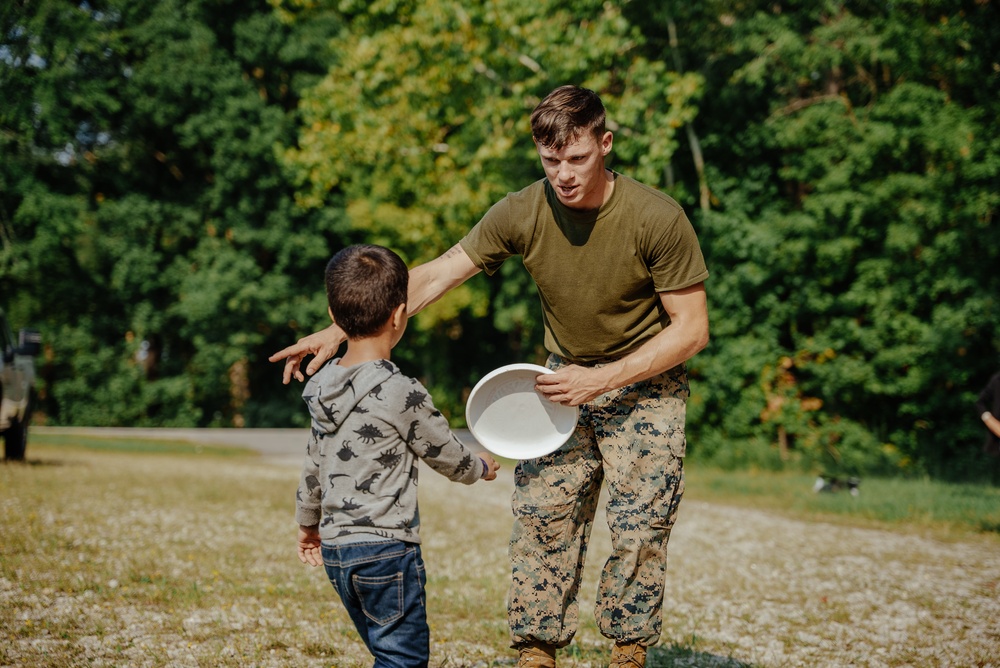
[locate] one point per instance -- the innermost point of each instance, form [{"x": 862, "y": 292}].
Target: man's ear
[
  {"x": 330, "y": 311},
  {"x": 607, "y": 141}
]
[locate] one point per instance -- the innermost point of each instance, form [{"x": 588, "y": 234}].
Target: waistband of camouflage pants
[{"x": 565, "y": 361}]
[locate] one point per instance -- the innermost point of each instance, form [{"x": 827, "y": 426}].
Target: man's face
[{"x": 576, "y": 171}]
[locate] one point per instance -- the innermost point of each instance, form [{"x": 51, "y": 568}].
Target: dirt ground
[{"x": 748, "y": 587}]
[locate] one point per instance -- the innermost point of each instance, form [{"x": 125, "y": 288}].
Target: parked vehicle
[{"x": 17, "y": 386}]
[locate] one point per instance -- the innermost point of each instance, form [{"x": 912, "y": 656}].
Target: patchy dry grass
[{"x": 179, "y": 558}]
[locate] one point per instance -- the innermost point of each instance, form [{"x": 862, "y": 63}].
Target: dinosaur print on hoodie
[{"x": 370, "y": 423}]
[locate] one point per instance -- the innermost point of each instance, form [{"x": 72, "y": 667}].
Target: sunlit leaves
[{"x": 421, "y": 123}]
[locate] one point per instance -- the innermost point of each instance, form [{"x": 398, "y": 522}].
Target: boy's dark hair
[
  {"x": 565, "y": 114},
  {"x": 364, "y": 284}
]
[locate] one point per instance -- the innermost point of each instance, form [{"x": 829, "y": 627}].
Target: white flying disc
[{"x": 511, "y": 419}]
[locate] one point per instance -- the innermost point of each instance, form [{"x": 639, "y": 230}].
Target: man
[{"x": 621, "y": 280}]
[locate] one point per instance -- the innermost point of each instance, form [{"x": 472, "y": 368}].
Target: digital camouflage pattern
[{"x": 634, "y": 439}]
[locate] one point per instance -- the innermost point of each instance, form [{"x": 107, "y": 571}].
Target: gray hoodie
[{"x": 370, "y": 423}]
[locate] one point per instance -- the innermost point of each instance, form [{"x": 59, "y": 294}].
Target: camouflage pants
[{"x": 634, "y": 438}]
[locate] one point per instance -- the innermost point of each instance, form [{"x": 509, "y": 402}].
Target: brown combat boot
[
  {"x": 536, "y": 655},
  {"x": 628, "y": 655}
]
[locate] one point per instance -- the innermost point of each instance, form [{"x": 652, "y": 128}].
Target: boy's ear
[
  {"x": 399, "y": 316},
  {"x": 330, "y": 311}
]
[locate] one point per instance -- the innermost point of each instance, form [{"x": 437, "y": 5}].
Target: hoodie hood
[{"x": 334, "y": 391}]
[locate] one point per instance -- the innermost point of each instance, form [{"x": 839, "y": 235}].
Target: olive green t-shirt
[{"x": 597, "y": 271}]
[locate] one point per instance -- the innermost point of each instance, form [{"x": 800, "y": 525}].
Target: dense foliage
[
  {"x": 175, "y": 175},
  {"x": 854, "y": 234},
  {"x": 149, "y": 229}
]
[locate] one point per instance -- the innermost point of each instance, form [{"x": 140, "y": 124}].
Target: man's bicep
[{"x": 688, "y": 305}]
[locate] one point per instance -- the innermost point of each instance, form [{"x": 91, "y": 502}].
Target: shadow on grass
[
  {"x": 144, "y": 446},
  {"x": 987, "y": 526},
  {"x": 677, "y": 655},
  {"x": 34, "y": 462}
]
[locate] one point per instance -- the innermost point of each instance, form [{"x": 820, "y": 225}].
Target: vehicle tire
[{"x": 16, "y": 441}]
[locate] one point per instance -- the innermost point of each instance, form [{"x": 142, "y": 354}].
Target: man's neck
[
  {"x": 609, "y": 185},
  {"x": 606, "y": 193}
]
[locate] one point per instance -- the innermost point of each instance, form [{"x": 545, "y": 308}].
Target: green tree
[
  {"x": 852, "y": 235},
  {"x": 175, "y": 176},
  {"x": 149, "y": 228}
]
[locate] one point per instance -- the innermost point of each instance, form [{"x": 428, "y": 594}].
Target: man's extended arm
[
  {"x": 428, "y": 282},
  {"x": 686, "y": 335},
  {"x": 431, "y": 280}
]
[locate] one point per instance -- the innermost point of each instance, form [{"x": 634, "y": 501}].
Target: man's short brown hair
[{"x": 565, "y": 114}]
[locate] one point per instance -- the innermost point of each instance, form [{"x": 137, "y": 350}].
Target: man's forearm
[
  {"x": 685, "y": 336},
  {"x": 664, "y": 351},
  {"x": 431, "y": 280}
]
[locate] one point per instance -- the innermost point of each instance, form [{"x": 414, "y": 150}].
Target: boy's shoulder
[
  {"x": 407, "y": 392},
  {"x": 332, "y": 371},
  {"x": 407, "y": 385},
  {"x": 376, "y": 379}
]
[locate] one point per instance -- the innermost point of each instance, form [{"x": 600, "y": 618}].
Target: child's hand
[
  {"x": 309, "y": 546},
  {"x": 491, "y": 466}
]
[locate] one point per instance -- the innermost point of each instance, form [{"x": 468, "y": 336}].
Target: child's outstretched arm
[
  {"x": 491, "y": 466},
  {"x": 309, "y": 546}
]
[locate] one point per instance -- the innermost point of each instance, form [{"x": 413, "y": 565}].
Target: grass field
[
  {"x": 139, "y": 553},
  {"x": 940, "y": 509}
]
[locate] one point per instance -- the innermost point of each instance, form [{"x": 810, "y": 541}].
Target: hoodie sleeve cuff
[{"x": 307, "y": 517}]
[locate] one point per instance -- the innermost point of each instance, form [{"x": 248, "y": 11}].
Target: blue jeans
[{"x": 382, "y": 586}]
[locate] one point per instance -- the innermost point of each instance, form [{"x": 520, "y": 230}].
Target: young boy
[{"x": 356, "y": 504}]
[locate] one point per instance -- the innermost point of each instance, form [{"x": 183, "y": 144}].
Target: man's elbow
[
  {"x": 701, "y": 340},
  {"x": 701, "y": 343}
]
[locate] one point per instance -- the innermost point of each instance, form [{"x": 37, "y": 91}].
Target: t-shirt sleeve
[
  {"x": 492, "y": 240},
  {"x": 674, "y": 255}
]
